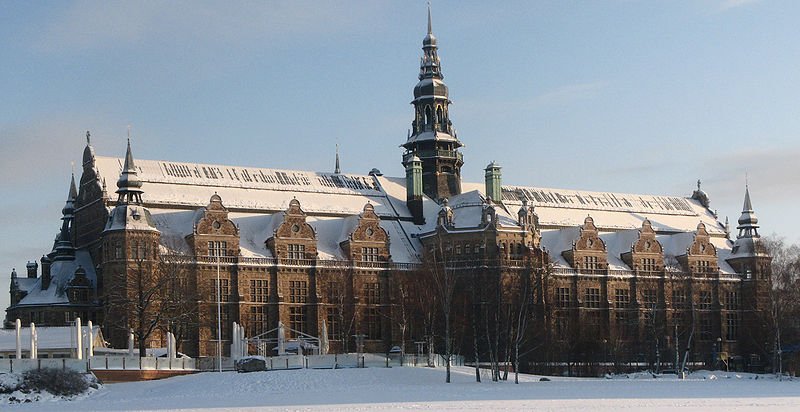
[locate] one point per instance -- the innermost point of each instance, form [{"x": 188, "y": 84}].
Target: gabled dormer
[
  {"x": 293, "y": 239},
  {"x": 588, "y": 252},
  {"x": 214, "y": 234},
  {"x": 646, "y": 254},
  {"x": 488, "y": 213},
  {"x": 529, "y": 222},
  {"x": 368, "y": 242},
  {"x": 79, "y": 289},
  {"x": 701, "y": 255}
]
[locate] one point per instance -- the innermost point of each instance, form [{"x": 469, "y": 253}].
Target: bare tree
[
  {"x": 148, "y": 297},
  {"x": 443, "y": 272},
  {"x": 784, "y": 295},
  {"x": 179, "y": 307}
]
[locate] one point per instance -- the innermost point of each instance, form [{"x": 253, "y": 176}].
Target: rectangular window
[
  {"x": 334, "y": 323},
  {"x": 372, "y": 294},
  {"x": 297, "y": 319},
  {"x": 224, "y": 290},
  {"x": 650, "y": 297},
  {"x": 732, "y": 326},
  {"x": 217, "y": 248},
  {"x": 257, "y": 322},
  {"x": 703, "y": 266},
  {"x": 335, "y": 293},
  {"x": 732, "y": 300},
  {"x": 223, "y": 314},
  {"x": 370, "y": 254},
  {"x": 458, "y": 249},
  {"x": 649, "y": 265},
  {"x": 591, "y": 263},
  {"x": 624, "y": 325},
  {"x": 298, "y": 291},
  {"x": 593, "y": 298},
  {"x": 117, "y": 251},
  {"x": 678, "y": 299},
  {"x": 704, "y": 326},
  {"x": 562, "y": 297},
  {"x": 622, "y": 298},
  {"x": 562, "y": 328},
  {"x": 705, "y": 300},
  {"x": 373, "y": 321},
  {"x": 296, "y": 251},
  {"x": 259, "y": 291}
]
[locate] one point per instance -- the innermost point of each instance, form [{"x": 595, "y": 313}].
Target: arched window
[
  {"x": 428, "y": 119},
  {"x": 439, "y": 117}
]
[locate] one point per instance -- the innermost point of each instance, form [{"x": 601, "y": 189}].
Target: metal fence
[{"x": 336, "y": 361}]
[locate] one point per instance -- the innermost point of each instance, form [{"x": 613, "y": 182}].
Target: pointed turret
[
  {"x": 748, "y": 241},
  {"x": 129, "y": 185},
  {"x": 748, "y": 222},
  {"x": 129, "y": 213},
  {"x": 63, "y": 246},
  {"x": 432, "y": 136}
]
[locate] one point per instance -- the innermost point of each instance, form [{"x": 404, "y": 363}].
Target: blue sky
[{"x": 625, "y": 96}]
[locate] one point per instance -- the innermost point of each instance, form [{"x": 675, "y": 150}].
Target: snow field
[{"x": 424, "y": 389}]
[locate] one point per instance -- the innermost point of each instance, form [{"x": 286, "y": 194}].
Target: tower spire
[
  {"x": 336, "y": 169},
  {"x": 129, "y": 185},
  {"x": 430, "y": 29},
  {"x": 432, "y": 139},
  {"x": 748, "y": 222},
  {"x": 63, "y": 245}
]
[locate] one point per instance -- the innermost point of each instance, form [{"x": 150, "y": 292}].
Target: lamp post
[{"x": 219, "y": 318}]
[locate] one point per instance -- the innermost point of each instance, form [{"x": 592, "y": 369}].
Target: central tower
[{"x": 432, "y": 138}]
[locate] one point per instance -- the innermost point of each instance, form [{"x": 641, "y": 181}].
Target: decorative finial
[
  {"x": 129, "y": 134},
  {"x": 430, "y": 29},
  {"x": 337, "y": 170},
  {"x": 88, "y": 138},
  {"x": 698, "y": 184}
]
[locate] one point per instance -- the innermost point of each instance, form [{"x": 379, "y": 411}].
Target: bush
[
  {"x": 9, "y": 382},
  {"x": 57, "y": 381}
]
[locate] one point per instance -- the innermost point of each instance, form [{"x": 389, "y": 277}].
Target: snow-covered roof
[
  {"x": 176, "y": 192},
  {"x": 61, "y": 273}
]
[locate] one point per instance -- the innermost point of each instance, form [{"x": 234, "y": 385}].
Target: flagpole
[{"x": 219, "y": 318}]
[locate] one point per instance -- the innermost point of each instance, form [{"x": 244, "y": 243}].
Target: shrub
[{"x": 58, "y": 382}]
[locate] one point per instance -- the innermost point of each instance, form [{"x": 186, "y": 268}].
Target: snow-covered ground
[{"x": 424, "y": 389}]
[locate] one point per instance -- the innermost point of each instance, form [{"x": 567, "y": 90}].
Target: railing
[
  {"x": 137, "y": 363},
  {"x": 24, "y": 365},
  {"x": 451, "y": 264},
  {"x": 97, "y": 363},
  {"x": 270, "y": 261},
  {"x": 631, "y": 273},
  {"x": 422, "y": 154}
]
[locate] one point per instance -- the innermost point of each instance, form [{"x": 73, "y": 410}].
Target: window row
[{"x": 622, "y": 299}]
